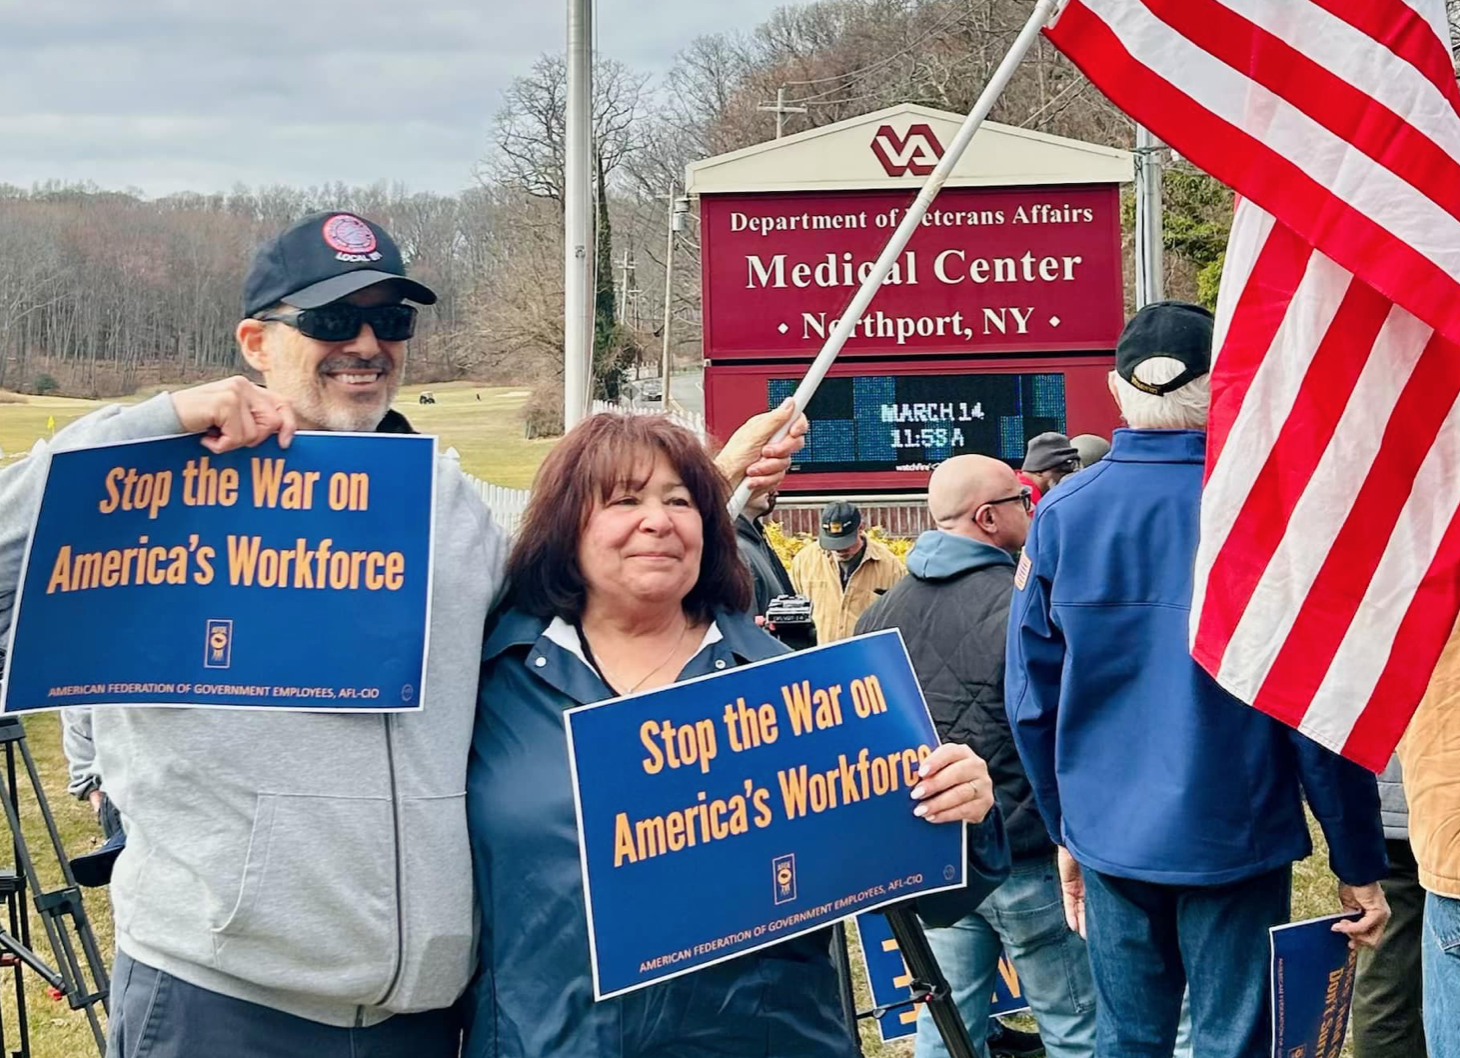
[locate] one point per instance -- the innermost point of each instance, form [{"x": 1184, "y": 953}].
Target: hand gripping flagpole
[{"x": 910, "y": 222}]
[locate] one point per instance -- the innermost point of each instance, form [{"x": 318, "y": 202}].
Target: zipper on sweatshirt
[{"x": 400, "y": 926}]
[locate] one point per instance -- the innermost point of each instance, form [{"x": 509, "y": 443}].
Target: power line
[{"x": 957, "y": 14}]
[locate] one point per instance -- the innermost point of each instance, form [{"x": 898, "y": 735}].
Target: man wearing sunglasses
[
  {"x": 298, "y": 884},
  {"x": 952, "y": 608}
]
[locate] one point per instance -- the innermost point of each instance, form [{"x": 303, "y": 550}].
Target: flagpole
[{"x": 910, "y": 223}]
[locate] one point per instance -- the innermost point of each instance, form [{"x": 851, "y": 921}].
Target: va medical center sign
[
  {"x": 989, "y": 271},
  {"x": 998, "y": 321}
]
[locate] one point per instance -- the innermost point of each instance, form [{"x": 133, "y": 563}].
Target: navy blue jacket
[
  {"x": 533, "y": 996},
  {"x": 1143, "y": 767}
]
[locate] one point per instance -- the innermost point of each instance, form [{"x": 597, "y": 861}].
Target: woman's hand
[
  {"x": 955, "y": 786},
  {"x": 750, "y": 453}
]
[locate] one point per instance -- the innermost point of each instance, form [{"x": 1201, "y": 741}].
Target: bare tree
[{"x": 530, "y": 130}]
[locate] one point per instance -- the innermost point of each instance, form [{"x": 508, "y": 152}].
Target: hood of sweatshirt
[{"x": 938, "y": 555}]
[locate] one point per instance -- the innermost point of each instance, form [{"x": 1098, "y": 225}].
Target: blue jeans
[
  {"x": 1442, "y": 975},
  {"x": 1148, "y": 941},
  {"x": 156, "y": 1015},
  {"x": 1025, "y": 917}
]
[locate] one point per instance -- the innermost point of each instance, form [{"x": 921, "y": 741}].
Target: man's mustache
[{"x": 345, "y": 365}]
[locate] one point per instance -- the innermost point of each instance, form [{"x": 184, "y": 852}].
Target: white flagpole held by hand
[{"x": 910, "y": 222}]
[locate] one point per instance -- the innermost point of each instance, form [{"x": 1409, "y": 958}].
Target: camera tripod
[
  {"x": 61, "y": 910},
  {"x": 928, "y": 983}
]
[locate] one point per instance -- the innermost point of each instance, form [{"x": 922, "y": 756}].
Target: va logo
[
  {"x": 916, "y": 153},
  {"x": 218, "y": 644},
  {"x": 783, "y": 870}
]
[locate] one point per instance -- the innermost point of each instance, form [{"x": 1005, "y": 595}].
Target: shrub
[
  {"x": 543, "y": 413},
  {"x": 44, "y": 384}
]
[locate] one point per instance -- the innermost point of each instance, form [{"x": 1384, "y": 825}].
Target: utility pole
[
  {"x": 1150, "y": 266},
  {"x": 578, "y": 249},
  {"x": 678, "y": 218},
  {"x": 780, "y": 110},
  {"x": 665, "y": 366},
  {"x": 623, "y": 288}
]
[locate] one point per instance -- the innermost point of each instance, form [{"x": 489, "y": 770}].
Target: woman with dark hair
[{"x": 625, "y": 577}]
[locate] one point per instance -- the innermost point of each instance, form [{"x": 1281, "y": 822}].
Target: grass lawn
[
  {"x": 486, "y": 431},
  {"x": 488, "y": 434}
]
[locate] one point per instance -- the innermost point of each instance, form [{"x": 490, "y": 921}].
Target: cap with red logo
[{"x": 324, "y": 257}]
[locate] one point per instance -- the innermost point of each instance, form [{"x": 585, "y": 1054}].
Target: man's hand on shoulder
[{"x": 234, "y": 413}]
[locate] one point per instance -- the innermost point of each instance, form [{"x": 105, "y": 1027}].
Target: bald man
[{"x": 953, "y": 609}]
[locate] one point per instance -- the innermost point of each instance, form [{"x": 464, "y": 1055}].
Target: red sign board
[
  {"x": 884, "y": 424},
  {"x": 1027, "y": 270}
]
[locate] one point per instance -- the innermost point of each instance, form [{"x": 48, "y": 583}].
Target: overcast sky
[{"x": 170, "y": 95}]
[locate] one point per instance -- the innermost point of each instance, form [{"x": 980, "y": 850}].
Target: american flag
[{"x": 1328, "y": 577}]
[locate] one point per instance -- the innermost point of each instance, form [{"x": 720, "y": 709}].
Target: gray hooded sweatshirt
[{"x": 314, "y": 863}]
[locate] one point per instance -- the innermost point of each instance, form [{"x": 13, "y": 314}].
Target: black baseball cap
[
  {"x": 324, "y": 257},
  {"x": 1048, "y": 450},
  {"x": 1175, "y": 329},
  {"x": 839, "y": 524}
]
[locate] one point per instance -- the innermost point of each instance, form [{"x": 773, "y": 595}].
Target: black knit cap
[{"x": 1175, "y": 329}]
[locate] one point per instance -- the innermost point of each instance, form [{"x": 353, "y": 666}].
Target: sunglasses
[
  {"x": 1023, "y": 496},
  {"x": 341, "y": 322}
]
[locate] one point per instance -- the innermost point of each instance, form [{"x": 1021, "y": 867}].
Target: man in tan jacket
[
  {"x": 1430, "y": 754},
  {"x": 844, "y": 575}
]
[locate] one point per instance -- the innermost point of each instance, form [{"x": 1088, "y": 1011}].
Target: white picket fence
[
  {"x": 507, "y": 505},
  {"x": 691, "y": 421}
]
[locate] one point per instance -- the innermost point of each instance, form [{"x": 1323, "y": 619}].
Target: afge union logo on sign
[
  {"x": 916, "y": 153},
  {"x": 783, "y": 869},
  {"x": 218, "y": 644}
]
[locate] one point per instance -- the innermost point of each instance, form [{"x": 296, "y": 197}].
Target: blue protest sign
[
  {"x": 891, "y": 983},
  {"x": 1312, "y": 980},
  {"x": 734, "y": 811},
  {"x": 160, "y": 574}
]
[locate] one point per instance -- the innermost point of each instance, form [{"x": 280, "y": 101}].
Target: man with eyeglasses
[
  {"x": 299, "y": 884},
  {"x": 953, "y": 608},
  {"x": 1178, "y": 809}
]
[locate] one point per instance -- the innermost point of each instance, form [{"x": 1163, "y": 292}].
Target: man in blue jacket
[
  {"x": 1178, "y": 809},
  {"x": 953, "y": 608}
]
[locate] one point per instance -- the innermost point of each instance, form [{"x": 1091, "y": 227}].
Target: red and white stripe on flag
[{"x": 1328, "y": 577}]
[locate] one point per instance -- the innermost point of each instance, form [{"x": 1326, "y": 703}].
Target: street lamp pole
[{"x": 578, "y": 255}]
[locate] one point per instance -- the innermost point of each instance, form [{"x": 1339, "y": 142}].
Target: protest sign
[
  {"x": 891, "y": 983},
  {"x": 727, "y": 813},
  {"x": 1312, "y": 980},
  {"x": 158, "y": 573}
]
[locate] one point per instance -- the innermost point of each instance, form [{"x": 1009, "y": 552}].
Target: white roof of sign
[{"x": 893, "y": 148}]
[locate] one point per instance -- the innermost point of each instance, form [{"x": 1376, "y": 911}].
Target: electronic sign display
[
  {"x": 889, "y": 422},
  {"x": 885, "y": 424}
]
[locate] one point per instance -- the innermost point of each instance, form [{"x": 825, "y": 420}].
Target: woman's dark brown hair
[{"x": 597, "y": 456}]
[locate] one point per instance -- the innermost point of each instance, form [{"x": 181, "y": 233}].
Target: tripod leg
[
  {"x": 77, "y": 908},
  {"x": 53, "y": 906},
  {"x": 922, "y": 964},
  {"x": 19, "y": 922},
  {"x": 843, "y": 966}
]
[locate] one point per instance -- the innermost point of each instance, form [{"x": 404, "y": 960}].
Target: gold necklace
[{"x": 667, "y": 658}]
